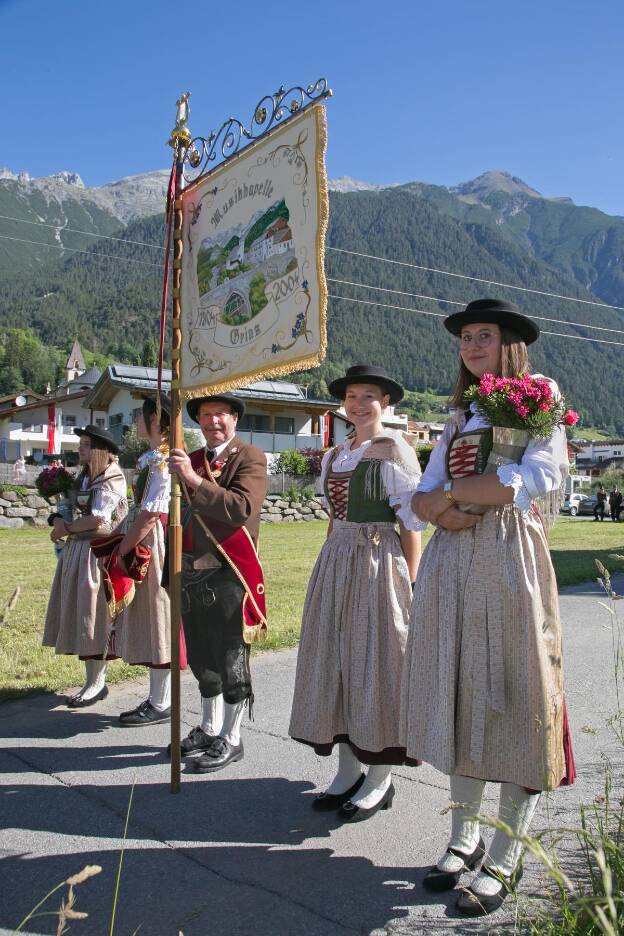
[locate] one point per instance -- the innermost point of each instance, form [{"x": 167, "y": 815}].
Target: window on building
[
  {"x": 116, "y": 419},
  {"x": 69, "y": 420},
  {"x": 254, "y": 423},
  {"x": 285, "y": 424},
  {"x": 100, "y": 421}
]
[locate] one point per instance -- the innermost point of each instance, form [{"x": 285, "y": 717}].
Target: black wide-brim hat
[
  {"x": 192, "y": 407},
  {"x": 497, "y": 311},
  {"x": 367, "y": 373},
  {"x": 101, "y": 435}
]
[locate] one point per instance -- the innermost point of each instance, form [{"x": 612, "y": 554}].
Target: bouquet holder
[{"x": 508, "y": 447}]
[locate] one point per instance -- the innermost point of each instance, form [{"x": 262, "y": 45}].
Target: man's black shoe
[
  {"x": 144, "y": 714},
  {"x": 218, "y": 756},
  {"x": 195, "y": 742}
]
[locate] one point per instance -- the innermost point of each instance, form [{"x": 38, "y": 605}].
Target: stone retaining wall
[
  {"x": 18, "y": 510},
  {"x": 277, "y": 508}
]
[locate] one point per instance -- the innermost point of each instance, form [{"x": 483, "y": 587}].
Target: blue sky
[{"x": 436, "y": 91}]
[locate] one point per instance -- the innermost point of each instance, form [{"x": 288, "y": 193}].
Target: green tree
[
  {"x": 257, "y": 295},
  {"x": 132, "y": 448}
]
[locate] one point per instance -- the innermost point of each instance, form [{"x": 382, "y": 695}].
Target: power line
[
  {"x": 355, "y": 253},
  {"x": 542, "y": 318},
  {"x": 21, "y": 240},
  {"x": 386, "y": 305},
  {"x": 59, "y": 227},
  {"x": 476, "y": 279}
]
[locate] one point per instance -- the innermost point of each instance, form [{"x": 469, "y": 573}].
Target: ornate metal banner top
[
  {"x": 203, "y": 154},
  {"x": 253, "y": 294}
]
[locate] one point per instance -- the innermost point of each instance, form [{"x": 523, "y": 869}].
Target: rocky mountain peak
[
  {"x": 69, "y": 178},
  {"x": 347, "y": 184},
  {"x": 495, "y": 180}
]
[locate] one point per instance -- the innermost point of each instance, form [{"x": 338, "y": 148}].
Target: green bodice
[{"x": 358, "y": 495}]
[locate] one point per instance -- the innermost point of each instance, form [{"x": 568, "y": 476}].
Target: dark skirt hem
[{"x": 394, "y": 756}]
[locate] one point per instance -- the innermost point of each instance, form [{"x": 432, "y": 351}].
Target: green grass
[
  {"x": 575, "y": 544},
  {"x": 287, "y": 551}
]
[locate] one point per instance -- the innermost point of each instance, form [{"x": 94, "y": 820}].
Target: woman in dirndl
[
  {"x": 143, "y": 633},
  {"x": 77, "y": 619},
  {"x": 355, "y": 619},
  {"x": 483, "y": 692}
]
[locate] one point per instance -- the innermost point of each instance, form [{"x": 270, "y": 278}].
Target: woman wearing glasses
[{"x": 483, "y": 682}]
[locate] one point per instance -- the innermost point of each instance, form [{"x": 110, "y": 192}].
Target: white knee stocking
[
  {"x": 212, "y": 715},
  {"x": 160, "y": 689},
  {"x": 349, "y": 770},
  {"x": 466, "y": 795},
  {"x": 377, "y": 782},
  {"x": 95, "y": 678},
  {"x": 232, "y": 718},
  {"x": 516, "y": 809}
]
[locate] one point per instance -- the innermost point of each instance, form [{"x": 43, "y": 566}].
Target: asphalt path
[{"x": 241, "y": 851}]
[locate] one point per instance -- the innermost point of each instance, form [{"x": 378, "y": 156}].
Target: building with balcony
[
  {"x": 33, "y": 425},
  {"x": 279, "y": 415}
]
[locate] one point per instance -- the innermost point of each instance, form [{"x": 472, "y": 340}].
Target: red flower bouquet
[
  {"x": 54, "y": 481},
  {"x": 523, "y": 402},
  {"x": 518, "y": 409}
]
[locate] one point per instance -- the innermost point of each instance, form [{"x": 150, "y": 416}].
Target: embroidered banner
[{"x": 253, "y": 290}]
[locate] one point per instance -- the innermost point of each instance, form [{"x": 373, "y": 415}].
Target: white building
[
  {"x": 33, "y": 425},
  {"x": 278, "y": 415}
]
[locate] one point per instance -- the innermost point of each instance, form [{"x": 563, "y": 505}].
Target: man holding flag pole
[{"x": 223, "y": 606}]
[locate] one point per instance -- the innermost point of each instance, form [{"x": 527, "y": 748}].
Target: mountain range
[{"x": 495, "y": 228}]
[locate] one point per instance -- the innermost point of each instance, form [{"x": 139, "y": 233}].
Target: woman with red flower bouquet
[
  {"x": 77, "y": 620},
  {"x": 483, "y": 682}
]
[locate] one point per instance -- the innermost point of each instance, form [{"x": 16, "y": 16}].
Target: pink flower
[
  {"x": 544, "y": 407},
  {"x": 522, "y": 411},
  {"x": 570, "y": 418},
  {"x": 486, "y": 386}
]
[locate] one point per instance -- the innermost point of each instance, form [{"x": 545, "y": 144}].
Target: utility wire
[
  {"x": 21, "y": 240},
  {"x": 442, "y": 315},
  {"x": 355, "y": 253},
  {"x": 542, "y": 318},
  {"x": 476, "y": 279},
  {"x": 60, "y": 228}
]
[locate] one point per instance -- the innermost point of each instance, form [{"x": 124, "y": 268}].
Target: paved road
[{"x": 242, "y": 852}]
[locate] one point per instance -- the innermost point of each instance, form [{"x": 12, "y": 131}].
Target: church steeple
[{"x": 75, "y": 362}]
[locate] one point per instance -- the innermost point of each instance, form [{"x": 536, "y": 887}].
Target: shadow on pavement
[{"x": 229, "y": 891}]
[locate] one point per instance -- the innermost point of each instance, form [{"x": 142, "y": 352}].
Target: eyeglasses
[{"x": 482, "y": 339}]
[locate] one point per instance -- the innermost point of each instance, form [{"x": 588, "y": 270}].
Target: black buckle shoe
[
  {"x": 352, "y": 813},
  {"x": 471, "y": 904},
  {"x": 195, "y": 742},
  {"x": 436, "y": 880},
  {"x": 326, "y": 802},
  {"x": 144, "y": 714},
  {"x": 219, "y": 755},
  {"x": 78, "y": 701}
]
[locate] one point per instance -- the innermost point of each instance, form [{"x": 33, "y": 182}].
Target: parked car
[
  {"x": 572, "y": 504},
  {"x": 586, "y": 507}
]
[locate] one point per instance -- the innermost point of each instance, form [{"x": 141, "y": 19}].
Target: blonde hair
[
  {"x": 99, "y": 460},
  {"x": 514, "y": 361}
]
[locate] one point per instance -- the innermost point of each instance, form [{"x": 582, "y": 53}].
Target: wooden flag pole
[{"x": 180, "y": 138}]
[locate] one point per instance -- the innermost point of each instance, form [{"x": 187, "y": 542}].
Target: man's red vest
[{"x": 237, "y": 548}]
